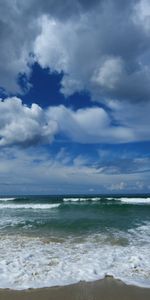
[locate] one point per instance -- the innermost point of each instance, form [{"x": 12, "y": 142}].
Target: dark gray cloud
[
  {"x": 17, "y": 33},
  {"x": 64, "y": 10}
]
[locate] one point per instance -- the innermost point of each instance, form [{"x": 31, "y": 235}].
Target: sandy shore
[{"x": 106, "y": 289}]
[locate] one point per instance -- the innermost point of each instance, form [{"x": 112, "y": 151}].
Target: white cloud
[
  {"x": 94, "y": 55},
  {"x": 36, "y": 171},
  {"x": 122, "y": 123},
  {"x": 57, "y": 47},
  {"x": 20, "y": 25},
  {"x": 26, "y": 126},
  {"x": 17, "y": 34},
  {"x": 109, "y": 73},
  {"x": 49, "y": 48},
  {"x": 142, "y": 14},
  {"x": 121, "y": 186},
  {"x": 89, "y": 125},
  {"x": 22, "y": 125},
  {"x": 135, "y": 118},
  {"x": 100, "y": 45}
]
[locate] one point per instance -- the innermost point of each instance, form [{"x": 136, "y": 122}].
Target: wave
[
  {"x": 71, "y": 199},
  {"x": 29, "y": 206},
  {"x": 95, "y": 199},
  {"x": 127, "y": 200},
  {"x": 7, "y": 199},
  {"x": 81, "y": 199},
  {"x": 41, "y": 261},
  {"x": 135, "y": 200}
]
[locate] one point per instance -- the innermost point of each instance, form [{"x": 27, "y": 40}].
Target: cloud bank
[
  {"x": 41, "y": 172},
  {"x": 28, "y": 126}
]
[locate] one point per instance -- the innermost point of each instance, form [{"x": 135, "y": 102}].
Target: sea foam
[
  {"x": 127, "y": 200},
  {"x": 34, "y": 262},
  {"x": 135, "y": 200},
  {"x": 81, "y": 199},
  {"x": 29, "y": 206},
  {"x": 7, "y": 199}
]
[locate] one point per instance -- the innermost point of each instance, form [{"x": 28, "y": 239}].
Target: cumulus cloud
[
  {"x": 89, "y": 125},
  {"x": 26, "y": 126},
  {"x": 20, "y": 25},
  {"x": 21, "y": 125},
  {"x": 104, "y": 51},
  {"x": 17, "y": 33},
  {"x": 101, "y": 46},
  {"x": 109, "y": 73}
]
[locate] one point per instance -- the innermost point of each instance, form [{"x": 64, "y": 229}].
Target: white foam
[
  {"x": 122, "y": 199},
  {"x": 95, "y": 199},
  {"x": 6, "y": 221},
  {"x": 7, "y": 199},
  {"x": 75, "y": 199},
  {"x": 33, "y": 262},
  {"x": 81, "y": 199},
  {"x": 135, "y": 200},
  {"x": 71, "y": 199},
  {"x": 29, "y": 206}
]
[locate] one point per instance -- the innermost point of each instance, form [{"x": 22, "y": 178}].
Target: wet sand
[{"x": 106, "y": 289}]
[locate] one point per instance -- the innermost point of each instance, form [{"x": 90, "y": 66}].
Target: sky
[{"x": 74, "y": 97}]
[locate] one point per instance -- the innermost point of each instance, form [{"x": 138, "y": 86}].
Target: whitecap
[
  {"x": 71, "y": 199},
  {"x": 95, "y": 199},
  {"x": 135, "y": 200},
  {"x": 81, "y": 199},
  {"x": 7, "y": 199},
  {"x": 29, "y": 206}
]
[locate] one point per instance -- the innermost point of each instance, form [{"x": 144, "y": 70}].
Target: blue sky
[{"x": 75, "y": 97}]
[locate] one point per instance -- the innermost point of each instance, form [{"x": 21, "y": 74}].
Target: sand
[{"x": 106, "y": 289}]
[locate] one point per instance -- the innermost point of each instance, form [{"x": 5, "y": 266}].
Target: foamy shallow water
[
  {"x": 29, "y": 262},
  {"x": 47, "y": 242}
]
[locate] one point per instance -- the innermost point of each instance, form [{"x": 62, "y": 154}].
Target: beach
[{"x": 106, "y": 289}]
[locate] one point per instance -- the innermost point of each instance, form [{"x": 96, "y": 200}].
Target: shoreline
[{"x": 104, "y": 289}]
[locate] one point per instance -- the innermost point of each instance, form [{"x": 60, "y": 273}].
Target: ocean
[{"x": 58, "y": 240}]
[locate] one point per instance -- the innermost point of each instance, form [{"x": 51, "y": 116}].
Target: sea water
[{"x": 47, "y": 240}]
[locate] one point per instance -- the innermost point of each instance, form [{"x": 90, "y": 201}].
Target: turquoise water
[
  {"x": 48, "y": 241},
  {"x": 79, "y": 217}
]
